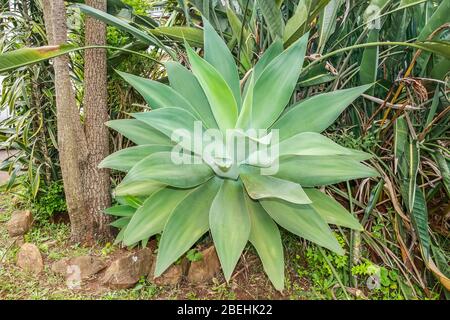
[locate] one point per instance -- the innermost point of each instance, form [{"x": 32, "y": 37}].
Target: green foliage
[
  {"x": 386, "y": 282},
  {"x": 255, "y": 33},
  {"x": 224, "y": 194},
  {"x": 194, "y": 255},
  {"x": 50, "y": 200}
]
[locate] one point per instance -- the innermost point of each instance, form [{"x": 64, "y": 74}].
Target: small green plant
[
  {"x": 194, "y": 255},
  {"x": 50, "y": 200},
  {"x": 191, "y": 179},
  {"x": 107, "y": 249},
  {"x": 323, "y": 268},
  {"x": 381, "y": 282}
]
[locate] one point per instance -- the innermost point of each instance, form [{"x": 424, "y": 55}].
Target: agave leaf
[
  {"x": 132, "y": 201},
  {"x": 138, "y": 188},
  {"x": 230, "y": 224},
  {"x": 259, "y": 187},
  {"x": 185, "y": 83},
  {"x": 219, "y": 94},
  {"x": 159, "y": 167},
  {"x": 331, "y": 210},
  {"x": 311, "y": 171},
  {"x": 245, "y": 116},
  {"x": 177, "y": 124},
  {"x": 139, "y": 132},
  {"x": 121, "y": 211},
  {"x": 315, "y": 144},
  {"x": 266, "y": 238},
  {"x": 274, "y": 50},
  {"x": 125, "y": 159},
  {"x": 302, "y": 220},
  {"x": 157, "y": 94},
  {"x": 151, "y": 217},
  {"x": 119, "y": 237},
  {"x": 120, "y": 223},
  {"x": 317, "y": 113},
  {"x": 187, "y": 223},
  {"x": 220, "y": 57},
  {"x": 269, "y": 100}
]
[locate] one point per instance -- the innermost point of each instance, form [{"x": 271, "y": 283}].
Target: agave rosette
[{"x": 231, "y": 198}]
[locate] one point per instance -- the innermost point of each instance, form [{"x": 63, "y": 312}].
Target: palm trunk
[
  {"x": 97, "y": 191},
  {"x": 86, "y": 191}
]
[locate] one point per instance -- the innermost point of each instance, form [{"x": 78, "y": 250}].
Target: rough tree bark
[
  {"x": 97, "y": 190},
  {"x": 81, "y": 148},
  {"x": 71, "y": 142}
]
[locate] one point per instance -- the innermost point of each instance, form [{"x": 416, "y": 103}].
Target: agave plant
[{"x": 232, "y": 196}]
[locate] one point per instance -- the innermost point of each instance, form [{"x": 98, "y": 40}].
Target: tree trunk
[
  {"x": 97, "y": 184},
  {"x": 71, "y": 139}
]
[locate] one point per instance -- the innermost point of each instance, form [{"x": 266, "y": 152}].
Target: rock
[
  {"x": 29, "y": 258},
  {"x": 172, "y": 276},
  {"x": 85, "y": 266},
  {"x": 60, "y": 266},
  {"x": 20, "y": 223},
  {"x": 124, "y": 272},
  {"x": 205, "y": 269}
]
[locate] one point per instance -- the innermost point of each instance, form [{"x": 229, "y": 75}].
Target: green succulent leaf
[
  {"x": 315, "y": 144},
  {"x": 220, "y": 57},
  {"x": 311, "y": 171},
  {"x": 302, "y": 220},
  {"x": 274, "y": 50},
  {"x": 186, "y": 84},
  {"x": 187, "y": 223},
  {"x": 121, "y": 211},
  {"x": 139, "y": 132},
  {"x": 317, "y": 113},
  {"x": 120, "y": 223},
  {"x": 275, "y": 86},
  {"x": 245, "y": 116},
  {"x": 260, "y": 187},
  {"x": 132, "y": 201},
  {"x": 159, "y": 167},
  {"x": 125, "y": 159},
  {"x": 331, "y": 210},
  {"x": 170, "y": 121},
  {"x": 138, "y": 188},
  {"x": 219, "y": 94},
  {"x": 151, "y": 217},
  {"x": 229, "y": 222},
  {"x": 157, "y": 94},
  {"x": 266, "y": 238}
]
